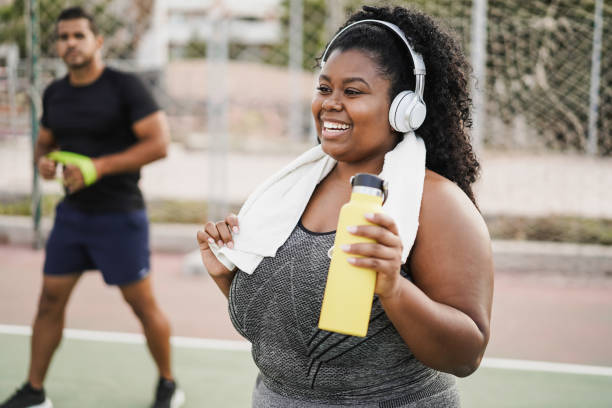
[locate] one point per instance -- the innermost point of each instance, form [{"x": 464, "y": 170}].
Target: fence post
[
  {"x": 335, "y": 17},
  {"x": 32, "y": 24},
  {"x": 296, "y": 15},
  {"x": 591, "y": 147},
  {"x": 217, "y": 54},
  {"x": 478, "y": 50}
]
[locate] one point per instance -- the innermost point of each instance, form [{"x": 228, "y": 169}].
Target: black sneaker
[
  {"x": 27, "y": 397},
  {"x": 168, "y": 395}
]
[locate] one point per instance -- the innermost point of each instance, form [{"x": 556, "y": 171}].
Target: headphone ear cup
[{"x": 407, "y": 112}]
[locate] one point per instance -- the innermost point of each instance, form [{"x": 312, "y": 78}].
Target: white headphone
[{"x": 408, "y": 109}]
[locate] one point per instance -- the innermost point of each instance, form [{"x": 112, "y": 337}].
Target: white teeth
[{"x": 335, "y": 125}]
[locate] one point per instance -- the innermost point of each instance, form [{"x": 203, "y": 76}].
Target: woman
[{"x": 431, "y": 312}]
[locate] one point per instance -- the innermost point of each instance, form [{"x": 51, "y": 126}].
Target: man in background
[{"x": 109, "y": 117}]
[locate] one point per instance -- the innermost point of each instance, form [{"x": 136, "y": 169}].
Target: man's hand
[
  {"x": 73, "y": 178},
  {"x": 47, "y": 168}
]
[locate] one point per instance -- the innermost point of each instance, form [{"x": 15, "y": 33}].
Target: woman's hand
[
  {"x": 219, "y": 233},
  {"x": 384, "y": 256}
]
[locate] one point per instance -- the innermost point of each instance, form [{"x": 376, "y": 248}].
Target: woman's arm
[
  {"x": 221, "y": 234},
  {"x": 444, "y": 315}
]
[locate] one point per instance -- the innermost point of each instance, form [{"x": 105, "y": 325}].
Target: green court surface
[{"x": 87, "y": 373}]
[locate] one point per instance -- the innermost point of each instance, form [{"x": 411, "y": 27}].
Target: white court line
[
  {"x": 237, "y": 345},
  {"x": 135, "y": 338}
]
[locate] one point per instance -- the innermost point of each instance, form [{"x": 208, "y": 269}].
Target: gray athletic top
[{"x": 277, "y": 310}]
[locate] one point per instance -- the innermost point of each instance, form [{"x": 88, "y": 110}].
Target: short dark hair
[{"x": 73, "y": 13}]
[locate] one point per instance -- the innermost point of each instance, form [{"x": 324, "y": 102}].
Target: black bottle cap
[{"x": 368, "y": 180}]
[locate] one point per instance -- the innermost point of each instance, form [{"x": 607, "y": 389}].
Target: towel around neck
[{"x": 270, "y": 213}]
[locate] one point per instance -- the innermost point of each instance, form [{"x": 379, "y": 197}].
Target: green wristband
[{"x": 84, "y": 163}]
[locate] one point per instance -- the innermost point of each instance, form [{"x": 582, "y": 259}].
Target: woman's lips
[{"x": 331, "y": 129}]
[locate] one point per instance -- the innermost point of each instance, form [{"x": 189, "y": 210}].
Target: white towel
[{"x": 272, "y": 211}]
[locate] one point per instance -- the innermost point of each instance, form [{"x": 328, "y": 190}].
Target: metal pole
[
  {"x": 32, "y": 24},
  {"x": 295, "y": 124},
  {"x": 160, "y": 33},
  {"x": 591, "y": 147},
  {"x": 217, "y": 55},
  {"x": 11, "y": 53},
  {"x": 478, "y": 56},
  {"x": 335, "y": 16}
]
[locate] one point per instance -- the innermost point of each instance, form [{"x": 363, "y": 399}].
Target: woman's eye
[
  {"x": 323, "y": 89},
  {"x": 351, "y": 91}
]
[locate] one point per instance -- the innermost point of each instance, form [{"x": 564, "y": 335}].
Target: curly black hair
[{"x": 446, "y": 127}]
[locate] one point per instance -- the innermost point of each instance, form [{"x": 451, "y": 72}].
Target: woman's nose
[{"x": 331, "y": 103}]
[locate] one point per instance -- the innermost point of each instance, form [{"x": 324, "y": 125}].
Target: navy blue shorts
[{"x": 116, "y": 243}]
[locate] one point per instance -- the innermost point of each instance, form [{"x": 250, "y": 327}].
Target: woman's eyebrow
[{"x": 346, "y": 80}]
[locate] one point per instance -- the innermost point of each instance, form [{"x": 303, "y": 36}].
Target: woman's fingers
[
  {"x": 213, "y": 237},
  {"x": 377, "y": 264},
  {"x": 372, "y": 250},
  {"x": 384, "y": 255},
  {"x": 225, "y": 234},
  {"x": 374, "y": 256},
  {"x": 221, "y": 232},
  {"x": 210, "y": 261},
  {"x": 232, "y": 221},
  {"x": 383, "y": 220},
  {"x": 203, "y": 242},
  {"x": 379, "y": 234}
]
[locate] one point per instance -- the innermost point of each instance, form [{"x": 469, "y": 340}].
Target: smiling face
[
  {"x": 351, "y": 108},
  {"x": 77, "y": 45}
]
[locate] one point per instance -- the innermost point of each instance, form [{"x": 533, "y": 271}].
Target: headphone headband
[{"x": 419, "y": 65}]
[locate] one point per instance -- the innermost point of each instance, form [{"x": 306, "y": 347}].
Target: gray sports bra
[{"x": 277, "y": 309}]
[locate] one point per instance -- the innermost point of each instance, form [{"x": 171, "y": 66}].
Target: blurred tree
[
  {"x": 314, "y": 12},
  {"x": 122, "y": 24},
  {"x": 12, "y": 24},
  {"x": 195, "y": 48}
]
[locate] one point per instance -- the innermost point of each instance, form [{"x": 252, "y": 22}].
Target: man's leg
[
  {"x": 139, "y": 295},
  {"x": 48, "y": 324}
]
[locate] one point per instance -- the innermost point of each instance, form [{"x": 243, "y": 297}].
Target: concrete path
[{"x": 511, "y": 183}]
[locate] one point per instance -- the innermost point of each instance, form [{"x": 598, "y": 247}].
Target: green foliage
[
  {"x": 175, "y": 211},
  {"x": 552, "y": 228},
  {"x": 195, "y": 48},
  {"x": 22, "y": 205},
  {"x": 313, "y": 37},
  {"x": 13, "y": 24}
]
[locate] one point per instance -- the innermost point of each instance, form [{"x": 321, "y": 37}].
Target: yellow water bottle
[{"x": 349, "y": 290}]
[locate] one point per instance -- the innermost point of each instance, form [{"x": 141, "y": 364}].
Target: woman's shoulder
[
  {"x": 445, "y": 207},
  {"x": 438, "y": 190}
]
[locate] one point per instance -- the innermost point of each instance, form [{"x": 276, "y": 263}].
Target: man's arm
[
  {"x": 45, "y": 144},
  {"x": 153, "y": 138}
]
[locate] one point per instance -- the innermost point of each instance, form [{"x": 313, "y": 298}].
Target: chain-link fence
[
  {"x": 233, "y": 77},
  {"x": 539, "y": 60}
]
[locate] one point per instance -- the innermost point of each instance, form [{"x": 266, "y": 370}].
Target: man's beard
[{"x": 78, "y": 65}]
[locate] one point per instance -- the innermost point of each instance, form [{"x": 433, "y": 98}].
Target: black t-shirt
[{"x": 96, "y": 120}]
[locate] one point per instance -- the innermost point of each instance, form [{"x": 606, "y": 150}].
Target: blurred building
[{"x": 177, "y": 23}]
